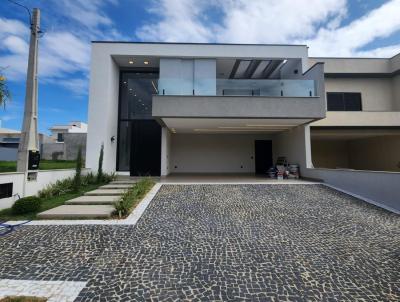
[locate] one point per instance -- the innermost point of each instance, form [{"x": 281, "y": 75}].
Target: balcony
[
  {"x": 242, "y": 98},
  {"x": 234, "y": 87}
]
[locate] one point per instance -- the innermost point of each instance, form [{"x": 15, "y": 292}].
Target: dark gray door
[
  {"x": 145, "y": 148},
  {"x": 263, "y": 154}
]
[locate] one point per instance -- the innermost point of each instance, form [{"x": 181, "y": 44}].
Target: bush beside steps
[{"x": 26, "y": 205}]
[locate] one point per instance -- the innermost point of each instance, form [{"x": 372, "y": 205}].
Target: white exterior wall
[
  {"x": 379, "y": 188},
  {"x": 295, "y": 145},
  {"x": 165, "y": 151},
  {"x": 44, "y": 178},
  {"x": 103, "y": 110},
  {"x": 213, "y": 153}
]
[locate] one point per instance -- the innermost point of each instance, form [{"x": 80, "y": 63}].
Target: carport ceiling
[{"x": 238, "y": 126}]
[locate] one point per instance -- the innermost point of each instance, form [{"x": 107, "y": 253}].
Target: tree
[
  {"x": 4, "y": 92},
  {"x": 78, "y": 170},
  {"x": 100, "y": 168}
]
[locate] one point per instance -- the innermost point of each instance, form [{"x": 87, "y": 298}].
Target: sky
[{"x": 339, "y": 28}]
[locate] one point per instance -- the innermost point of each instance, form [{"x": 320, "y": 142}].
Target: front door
[
  {"x": 263, "y": 155},
  {"x": 145, "y": 148}
]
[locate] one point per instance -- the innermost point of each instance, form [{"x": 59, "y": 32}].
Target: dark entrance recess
[
  {"x": 263, "y": 154},
  {"x": 145, "y": 148}
]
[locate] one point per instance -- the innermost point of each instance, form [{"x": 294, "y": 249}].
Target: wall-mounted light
[
  {"x": 112, "y": 139},
  {"x": 146, "y": 62},
  {"x": 131, "y": 61}
]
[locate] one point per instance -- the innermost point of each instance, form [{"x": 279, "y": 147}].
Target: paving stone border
[{"x": 55, "y": 291}]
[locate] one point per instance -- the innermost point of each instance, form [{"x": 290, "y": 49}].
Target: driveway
[{"x": 222, "y": 242}]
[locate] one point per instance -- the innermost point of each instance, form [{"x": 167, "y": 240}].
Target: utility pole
[{"x": 28, "y": 150}]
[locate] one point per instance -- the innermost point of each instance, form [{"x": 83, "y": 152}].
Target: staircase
[{"x": 94, "y": 204}]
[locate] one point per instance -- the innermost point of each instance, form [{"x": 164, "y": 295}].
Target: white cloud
[
  {"x": 269, "y": 21},
  {"x": 316, "y": 23},
  {"x": 77, "y": 85},
  {"x": 12, "y": 27},
  {"x": 16, "y": 44},
  {"x": 64, "y": 49},
  {"x": 178, "y": 21},
  {"x": 347, "y": 40}
]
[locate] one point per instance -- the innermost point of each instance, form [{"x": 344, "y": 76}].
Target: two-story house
[{"x": 168, "y": 108}]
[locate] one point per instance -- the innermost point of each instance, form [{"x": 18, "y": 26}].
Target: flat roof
[{"x": 197, "y": 43}]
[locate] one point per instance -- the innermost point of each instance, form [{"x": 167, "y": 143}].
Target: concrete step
[
  {"x": 92, "y": 200},
  {"x": 116, "y": 186},
  {"x": 123, "y": 182},
  {"x": 106, "y": 192},
  {"x": 78, "y": 211}
]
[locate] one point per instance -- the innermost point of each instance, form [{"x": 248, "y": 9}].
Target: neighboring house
[
  {"x": 9, "y": 141},
  {"x": 162, "y": 108},
  {"x": 66, "y": 140}
]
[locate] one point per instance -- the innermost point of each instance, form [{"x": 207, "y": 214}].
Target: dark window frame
[
  {"x": 60, "y": 137},
  {"x": 345, "y": 106},
  {"x": 123, "y": 71},
  {"x": 6, "y": 190}
]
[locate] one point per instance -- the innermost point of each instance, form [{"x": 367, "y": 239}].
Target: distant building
[
  {"x": 65, "y": 141},
  {"x": 9, "y": 141},
  {"x": 58, "y": 131}
]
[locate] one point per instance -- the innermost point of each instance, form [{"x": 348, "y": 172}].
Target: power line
[{"x": 27, "y": 9}]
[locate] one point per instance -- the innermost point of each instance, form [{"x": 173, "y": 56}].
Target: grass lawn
[
  {"x": 11, "y": 166},
  {"x": 47, "y": 203},
  {"x": 23, "y": 299}
]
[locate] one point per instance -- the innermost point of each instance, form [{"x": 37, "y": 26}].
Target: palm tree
[{"x": 4, "y": 92}]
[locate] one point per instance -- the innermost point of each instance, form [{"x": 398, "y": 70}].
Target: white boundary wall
[
  {"x": 44, "y": 178},
  {"x": 376, "y": 187}
]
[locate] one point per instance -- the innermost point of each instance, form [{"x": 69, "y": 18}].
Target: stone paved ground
[{"x": 223, "y": 242}]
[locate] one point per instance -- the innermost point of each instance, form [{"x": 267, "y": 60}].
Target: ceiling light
[
  {"x": 248, "y": 125},
  {"x": 237, "y": 130},
  {"x": 255, "y": 128},
  {"x": 130, "y": 61},
  {"x": 146, "y": 62}
]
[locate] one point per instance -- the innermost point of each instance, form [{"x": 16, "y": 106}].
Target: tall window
[
  {"x": 344, "y": 101},
  {"x": 135, "y": 103},
  {"x": 60, "y": 137}
]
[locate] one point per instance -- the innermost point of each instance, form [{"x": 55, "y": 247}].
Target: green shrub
[
  {"x": 128, "y": 200},
  {"x": 100, "y": 167},
  {"x": 78, "y": 170},
  {"x": 26, "y": 205},
  {"x": 68, "y": 185},
  {"x": 58, "y": 188}
]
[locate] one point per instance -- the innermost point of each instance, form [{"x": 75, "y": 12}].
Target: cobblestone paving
[{"x": 223, "y": 242}]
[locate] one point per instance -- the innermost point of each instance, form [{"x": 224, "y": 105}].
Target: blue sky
[{"x": 329, "y": 27}]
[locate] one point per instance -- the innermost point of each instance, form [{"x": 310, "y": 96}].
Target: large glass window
[
  {"x": 135, "y": 103},
  {"x": 124, "y": 145},
  {"x": 137, "y": 90},
  {"x": 344, "y": 101}
]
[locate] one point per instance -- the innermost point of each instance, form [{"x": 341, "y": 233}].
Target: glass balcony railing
[
  {"x": 237, "y": 87},
  {"x": 272, "y": 88}
]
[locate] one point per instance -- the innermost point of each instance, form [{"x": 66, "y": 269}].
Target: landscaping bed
[
  {"x": 46, "y": 204},
  {"x": 132, "y": 197},
  {"x": 56, "y": 194}
]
